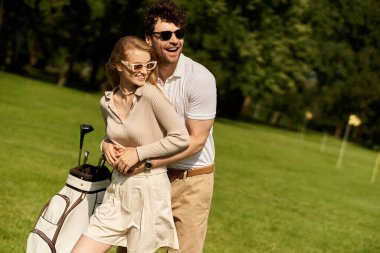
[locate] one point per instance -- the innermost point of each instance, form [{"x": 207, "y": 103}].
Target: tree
[
  {"x": 286, "y": 56},
  {"x": 348, "y": 70}
]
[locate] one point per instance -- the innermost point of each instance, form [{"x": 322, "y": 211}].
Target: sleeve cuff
[
  {"x": 101, "y": 146},
  {"x": 140, "y": 154}
]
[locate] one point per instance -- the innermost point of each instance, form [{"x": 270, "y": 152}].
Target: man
[{"x": 192, "y": 90}]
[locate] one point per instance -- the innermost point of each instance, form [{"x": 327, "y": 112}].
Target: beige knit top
[{"x": 152, "y": 125}]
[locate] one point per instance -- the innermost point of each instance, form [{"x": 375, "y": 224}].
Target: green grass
[
  {"x": 277, "y": 193},
  {"x": 274, "y": 191}
]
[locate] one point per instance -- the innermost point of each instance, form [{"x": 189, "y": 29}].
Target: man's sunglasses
[
  {"x": 136, "y": 67},
  {"x": 167, "y": 35}
]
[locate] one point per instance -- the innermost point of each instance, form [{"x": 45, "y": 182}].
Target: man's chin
[{"x": 172, "y": 59}]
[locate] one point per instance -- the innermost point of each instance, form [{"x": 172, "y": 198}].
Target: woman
[{"x": 136, "y": 210}]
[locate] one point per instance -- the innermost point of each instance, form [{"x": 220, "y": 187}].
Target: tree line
[{"x": 275, "y": 61}]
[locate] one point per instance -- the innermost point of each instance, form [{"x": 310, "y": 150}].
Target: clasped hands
[{"x": 121, "y": 158}]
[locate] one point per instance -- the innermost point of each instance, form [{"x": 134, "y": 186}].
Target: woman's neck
[{"x": 127, "y": 88}]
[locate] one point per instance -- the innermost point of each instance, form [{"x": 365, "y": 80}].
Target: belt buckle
[
  {"x": 184, "y": 174},
  {"x": 178, "y": 173}
]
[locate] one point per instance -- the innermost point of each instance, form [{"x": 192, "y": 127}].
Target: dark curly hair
[{"x": 167, "y": 11}]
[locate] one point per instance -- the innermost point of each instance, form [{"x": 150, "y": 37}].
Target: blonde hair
[{"x": 121, "y": 50}]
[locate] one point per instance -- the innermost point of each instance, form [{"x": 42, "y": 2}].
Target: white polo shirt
[{"x": 192, "y": 90}]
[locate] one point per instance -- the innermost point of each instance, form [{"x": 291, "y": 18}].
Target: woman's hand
[
  {"x": 112, "y": 152},
  {"x": 127, "y": 160}
]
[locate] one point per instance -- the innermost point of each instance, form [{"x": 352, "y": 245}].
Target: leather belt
[{"x": 176, "y": 173}]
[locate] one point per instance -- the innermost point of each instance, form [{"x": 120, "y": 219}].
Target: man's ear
[{"x": 148, "y": 40}]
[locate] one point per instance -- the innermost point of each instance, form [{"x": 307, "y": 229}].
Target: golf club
[
  {"x": 100, "y": 160},
  {"x": 86, "y": 153},
  {"x": 104, "y": 161},
  {"x": 100, "y": 165},
  {"x": 84, "y": 129}
]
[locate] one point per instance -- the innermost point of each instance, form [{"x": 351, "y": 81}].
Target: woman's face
[{"x": 132, "y": 73}]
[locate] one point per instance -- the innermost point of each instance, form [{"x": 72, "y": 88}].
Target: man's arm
[{"x": 198, "y": 131}]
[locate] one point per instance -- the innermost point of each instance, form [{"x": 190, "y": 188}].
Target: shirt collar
[
  {"x": 180, "y": 68},
  {"x": 179, "y": 71},
  {"x": 139, "y": 90}
]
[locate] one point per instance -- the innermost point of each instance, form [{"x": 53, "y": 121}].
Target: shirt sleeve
[
  {"x": 177, "y": 137},
  {"x": 104, "y": 112},
  {"x": 202, "y": 97}
]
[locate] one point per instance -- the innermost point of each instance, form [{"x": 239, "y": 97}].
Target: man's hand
[{"x": 127, "y": 160}]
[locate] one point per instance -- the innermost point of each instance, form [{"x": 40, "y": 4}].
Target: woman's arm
[{"x": 176, "y": 139}]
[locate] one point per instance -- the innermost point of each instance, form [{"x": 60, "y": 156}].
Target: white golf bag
[{"x": 65, "y": 216}]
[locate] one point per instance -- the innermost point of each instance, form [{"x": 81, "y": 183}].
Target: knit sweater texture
[{"x": 152, "y": 125}]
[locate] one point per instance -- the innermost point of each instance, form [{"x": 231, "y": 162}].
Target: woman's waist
[{"x": 142, "y": 172}]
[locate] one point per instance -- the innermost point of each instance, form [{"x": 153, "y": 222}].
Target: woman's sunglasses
[
  {"x": 167, "y": 35},
  {"x": 136, "y": 67}
]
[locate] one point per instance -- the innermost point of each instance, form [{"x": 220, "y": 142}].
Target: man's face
[{"x": 167, "y": 51}]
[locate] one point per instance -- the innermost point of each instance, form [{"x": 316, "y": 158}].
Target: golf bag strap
[
  {"x": 47, "y": 204},
  {"x": 46, "y": 239},
  {"x": 63, "y": 218}
]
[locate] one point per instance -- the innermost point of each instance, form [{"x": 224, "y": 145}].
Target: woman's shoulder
[
  {"x": 151, "y": 87},
  {"x": 154, "y": 92},
  {"x": 151, "y": 90}
]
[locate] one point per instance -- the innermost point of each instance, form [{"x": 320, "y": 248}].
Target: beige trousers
[{"x": 191, "y": 202}]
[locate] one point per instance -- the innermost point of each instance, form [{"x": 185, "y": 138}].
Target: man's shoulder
[{"x": 196, "y": 69}]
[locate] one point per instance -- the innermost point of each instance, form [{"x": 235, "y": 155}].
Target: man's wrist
[{"x": 148, "y": 164}]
